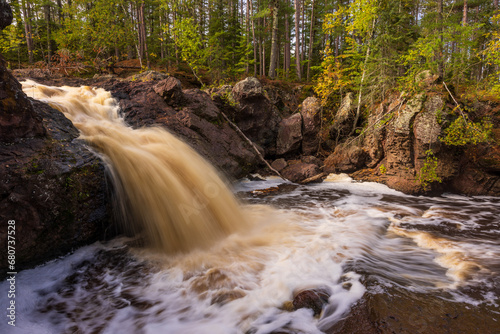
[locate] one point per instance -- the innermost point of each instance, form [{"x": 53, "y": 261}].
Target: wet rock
[
  {"x": 54, "y": 187},
  {"x": 279, "y": 164},
  {"x": 311, "y": 115},
  {"x": 399, "y": 311},
  {"x": 300, "y": 171},
  {"x": 313, "y": 299},
  {"x": 18, "y": 119},
  {"x": 289, "y": 135},
  {"x": 170, "y": 90}
]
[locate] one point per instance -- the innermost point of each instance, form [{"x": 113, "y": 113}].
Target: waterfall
[{"x": 163, "y": 186}]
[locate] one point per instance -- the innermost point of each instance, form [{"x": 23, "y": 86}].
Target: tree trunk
[
  {"x": 274, "y": 43},
  {"x": 247, "y": 35},
  {"x": 464, "y": 17},
  {"x": 496, "y": 4},
  {"x": 297, "y": 39},
  {"x": 311, "y": 39},
  {"x": 47, "y": 19},
  {"x": 254, "y": 42},
  {"x": 367, "y": 55},
  {"x": 27, "y": 29},
  {"x": 59, "y": 12},
  {"x": 141, "y": 31},
  {"x": 440, "y": 30},
  {"x": 286, "y": 60}
]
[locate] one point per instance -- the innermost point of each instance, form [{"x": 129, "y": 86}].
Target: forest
[{"x": 363, "y": 46}]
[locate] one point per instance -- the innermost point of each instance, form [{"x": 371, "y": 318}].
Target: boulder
[
  {"x": 346, "y": 159},
  {"x": 300, "y": 171},
  {"x": 310, "y": 159},
  {"x": 311, "y": 115},
  {"x": 279, "y": 164},
  {"x": 314, "y": 299},
  {"x": 170, "y": 90},
  {"x": 289, "y": 135},
  {"x": 248, "y": 88},
  {"x": 257, "y": 118}
]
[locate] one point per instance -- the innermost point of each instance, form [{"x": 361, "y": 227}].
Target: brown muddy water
[{"x": 389, "y": 262}]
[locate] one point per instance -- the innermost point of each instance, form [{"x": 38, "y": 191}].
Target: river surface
[{"x": 389, "y": 261}]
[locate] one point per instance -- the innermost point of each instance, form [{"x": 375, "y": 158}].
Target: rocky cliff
[{"x": 402, "y": 146}]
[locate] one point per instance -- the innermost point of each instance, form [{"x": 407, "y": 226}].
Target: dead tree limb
[{"x": 251, "y": 144}]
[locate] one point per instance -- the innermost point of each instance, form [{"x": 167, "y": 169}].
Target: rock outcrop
[
  {"x": 289, "y": 135},
  {"x": 191, "y": 114},
  {"x": 255, "y": 115},
  {"x": 311, "y": 115},
  {"x": 402, "y": 147},
  {"x": 54, "y": 188}
]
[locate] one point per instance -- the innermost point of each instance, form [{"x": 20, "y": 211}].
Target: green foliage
[
  {"x": 190, "y": 44},
  {"x": 382, "y": 169},
  {"x": 427, "y": 173},
  {"x": 463, "y": 132}
]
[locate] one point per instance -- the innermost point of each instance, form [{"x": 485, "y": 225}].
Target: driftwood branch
[
  {"x": 251, "y": 144},
  {"x": 458, "y": 105}
]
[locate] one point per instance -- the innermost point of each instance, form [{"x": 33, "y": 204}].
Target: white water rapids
[{"x": 336, "y": 236}]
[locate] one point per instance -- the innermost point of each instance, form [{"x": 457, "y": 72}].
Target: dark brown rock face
[
  {"x": 311, "y": 115},
  {"x": 170, "y": 90},
  {"x": 289, "y": 135},
  {"x": 17, "y": 117},
  {"x": 6, "y": 16},
  {"x": 55, "y": 190},
  {"x": 255, "y": 115},
  {"x": 346, "y": 159},
  {"x": 191, "y": 114}
]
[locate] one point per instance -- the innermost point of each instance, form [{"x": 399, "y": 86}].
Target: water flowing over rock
[
  {"x": 53, "y": 186},
  {"x": 164, "y": 188},
  {"x": 191, "y": 114}
]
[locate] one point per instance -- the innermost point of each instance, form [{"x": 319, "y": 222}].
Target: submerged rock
[{"x": 314, "y": 299}]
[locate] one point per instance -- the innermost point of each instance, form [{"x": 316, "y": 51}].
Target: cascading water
[
  {"x": 162, "y": 184},
  {"x": 356, "y": 241}
]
